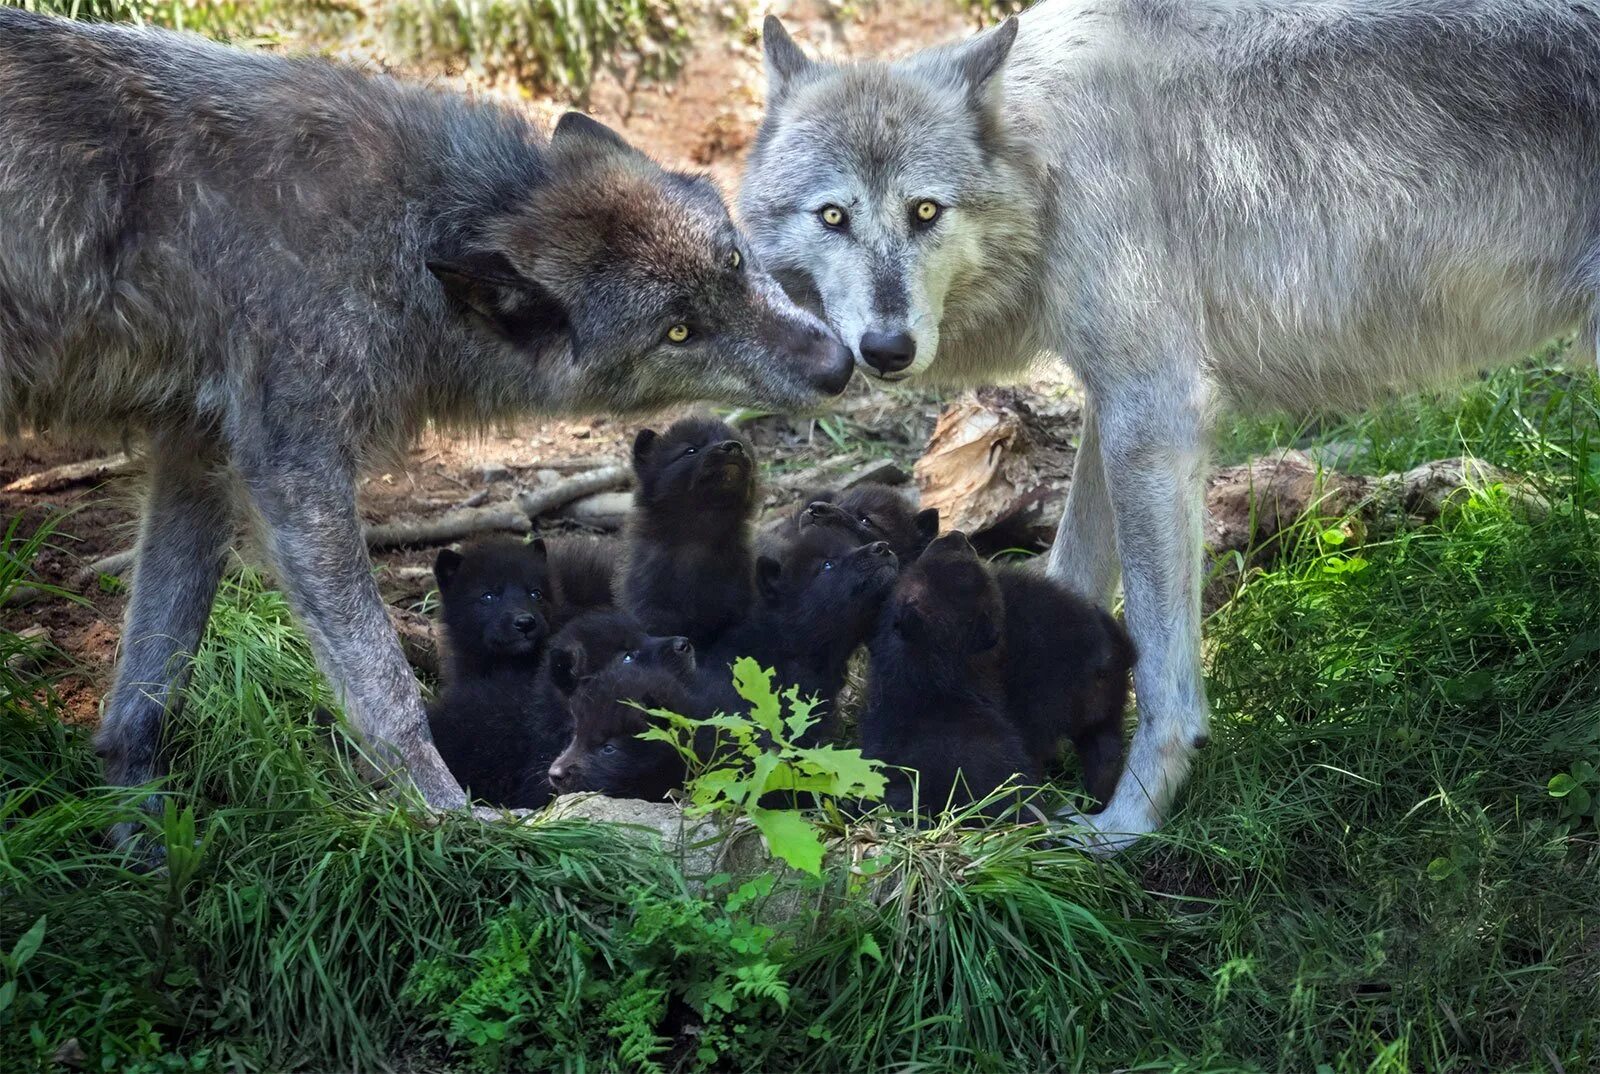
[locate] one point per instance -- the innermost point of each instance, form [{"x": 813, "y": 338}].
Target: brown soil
[{"x": 704, "y": 118}]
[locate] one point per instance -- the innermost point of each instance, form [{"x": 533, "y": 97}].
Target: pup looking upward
[{"x": 691, "y": 560}]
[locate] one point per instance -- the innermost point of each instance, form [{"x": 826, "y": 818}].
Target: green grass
[
  {"x": 1388, "y": 859},
  {"x": 542, "y": 44}
]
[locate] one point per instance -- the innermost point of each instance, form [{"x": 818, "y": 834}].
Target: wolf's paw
[{"x": 1106, "y": 833}]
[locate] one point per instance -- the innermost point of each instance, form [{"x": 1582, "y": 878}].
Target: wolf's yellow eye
[
  {"x": 734, "y": 260},
  {"x": 678, "y": 333},
  {"x": 832, "y": 215},
  {"x": 927, "y": 211}
]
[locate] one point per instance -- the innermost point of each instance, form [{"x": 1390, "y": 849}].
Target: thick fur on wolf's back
[
  {"x": 1301, "y": 203},
  {"x": 276, "y": 268}
]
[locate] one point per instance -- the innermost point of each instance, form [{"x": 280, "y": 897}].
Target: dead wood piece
[
  {"x": 31, "y": 642},
  {"x": 602, "y": 511},
  {"x": 69, "y": 474},
  {"x": 417, "y": 639},
  {"x": 975, "y": 469},
  {"x": 513, "y": 516},
  {"x": 602, "y": 479}
]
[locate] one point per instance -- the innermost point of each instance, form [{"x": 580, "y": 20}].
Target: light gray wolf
[
  {"x": 279, "y": 268},
  {"x": 1296, "y": 203}
]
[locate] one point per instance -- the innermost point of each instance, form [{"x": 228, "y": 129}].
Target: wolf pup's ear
[
  {"x": 576, "y": 130},
  {"x": 564, "y": 671},
  {"x": 643, "y": 444},
  {"x": 983, "y": 636},
  {"x": 445, "y": 566},
  {"x": 927, "y": 523},
  {"x": 769, "y": 578},
  {"x": 787, "y": 67},
  {"x": 981, "y": 59},
  {"x": 486, "y": 283}
]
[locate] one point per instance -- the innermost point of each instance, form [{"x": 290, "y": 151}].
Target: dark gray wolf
[
  {"x": 279, "y": 268},
  {"x": 1301, "y": 203}
]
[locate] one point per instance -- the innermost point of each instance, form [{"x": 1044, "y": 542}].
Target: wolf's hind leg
[
  {"x": 1084, "y": 556},
  {"x": 307, "y": 506},
  {"x": 186, "y": 531}
]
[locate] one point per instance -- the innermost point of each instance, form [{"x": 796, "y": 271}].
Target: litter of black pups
[{"x": 976, "y": 675}]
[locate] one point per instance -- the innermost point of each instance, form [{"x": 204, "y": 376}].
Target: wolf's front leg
[
  {"x": 307, "y": 505},
  {"x": 1151, "y": 433},
  {"x": 186, "y": 530}
]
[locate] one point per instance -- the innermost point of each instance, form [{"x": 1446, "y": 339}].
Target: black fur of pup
[
  {"x": 604, "y": 755},
  {"x": 1067, "y": 668},
  {"x": 584, "y": 575},
  {"x": 493, "y": 607},
  {"x": 584, "y": 648},
  {"x": 691, "y": 564},
  {"x": 818, "y": 603},
  {"x": 936, "y": 694},
  {"x": 873, "y": 512}
]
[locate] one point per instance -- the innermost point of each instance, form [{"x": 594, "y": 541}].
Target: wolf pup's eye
[
  {"x": 630, "y": 656},
  {"x": 489, "y": 598},
  {"x": 832, "y": 215},
  {"x": 678, "y": 333},
  {"x": 734, "y": 260},
  {"x": 926, "y": 212},
  {"x": 827, "y": 564},
  {"x": 536, "y": 594},
  {"x": 609, "y": 747}
]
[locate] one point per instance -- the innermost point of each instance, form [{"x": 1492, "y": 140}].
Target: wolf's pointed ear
[
  {"x": 575, "y": 130},
  {"x": 643, "y": 444},
  {"x": 927, "y": 523},
  {"x": 445, "y": 566},
  {"x": 516, "y": 307},
  {"x": 981, "y": 59},
  {"x": 787, "y": 67},
  {"x": 769, "y": 579}
]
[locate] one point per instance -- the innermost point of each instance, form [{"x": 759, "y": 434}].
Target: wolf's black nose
[
  {"x": 682, "y": 645},
  {"x": 732, "y": 447},
  {"x": 834, "y": 365},
  {"x": 878, "y": 548},
  {"x": 524, "y": 622},
  {"x": 888, "y": 353}
]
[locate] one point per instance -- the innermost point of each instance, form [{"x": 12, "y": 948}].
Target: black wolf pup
[
  {"x": 1067, "y": 669},
  {"x": 691, "y": 559},
  {"x": 818, "y": 603},
  {"x": 587, "y": 646},
  {"x": 278, "y": 268},
  {"x": 485, "y": 724},
  {"x": 873, "y": 512},
  {"x": 605, "y": 755},
  {"x": 936, "y": 699}
]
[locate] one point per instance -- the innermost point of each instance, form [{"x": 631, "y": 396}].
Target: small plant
[
  {"x": 546, "y": 990},
  {"x": 758, "y": 755},
  {"x": 1578, "y": 793}
]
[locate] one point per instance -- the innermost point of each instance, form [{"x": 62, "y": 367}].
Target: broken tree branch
[
  {"x": 72, "y": 473},
  {"x": 513, "y": 516}
]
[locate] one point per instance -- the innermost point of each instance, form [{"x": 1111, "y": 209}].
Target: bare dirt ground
[{"x": 704, "y": 118}]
